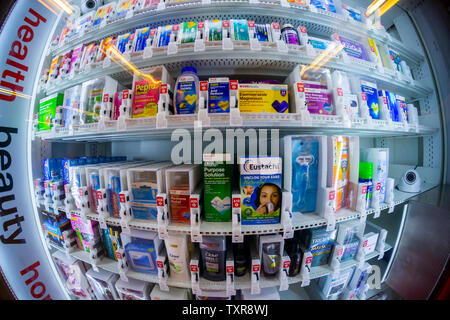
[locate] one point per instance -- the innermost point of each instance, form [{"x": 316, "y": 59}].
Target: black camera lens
[{"x": 410, "y": 177}]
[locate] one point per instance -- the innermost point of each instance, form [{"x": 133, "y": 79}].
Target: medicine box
[
  {"x": 370, "y": 242},
  {"x": 47, "y": 110},
  {"x": 145, "y": 182},
  {"x": 142, "y": 249},
  {"x": 133, "y": 289},
  {"x": 181, "y": 181},
  {"x": 260, "y": 188},
  {"x": 103, "y": 284},
  {"x": 319, "y": 242},
  {"x": 263, "y": 97}
]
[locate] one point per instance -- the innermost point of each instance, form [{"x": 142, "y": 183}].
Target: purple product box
[
  {"x": 318, "y": 100},
  {"x": 354, "y": 49}
]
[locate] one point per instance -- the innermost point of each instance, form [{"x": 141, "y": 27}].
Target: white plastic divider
[
  {"x": 163, "y": 215},
  {"x": 162, "y": 263},
  {"x": 284, "y": 272},
  {"x": 195, "y": 271},
  {"x": 196, "y": 209},
  {"x": 305, "y": 269},
  {"x": 236, "y": 218},
  {"x": 255, "y": 269},
  {"x": 229, "y": 271}
]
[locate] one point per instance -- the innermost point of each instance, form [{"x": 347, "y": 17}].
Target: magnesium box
[
  {"x": 217, "y": 187},
  {"x": 47, "y": 110},
  {"x": 260, "y": 187},
  {"x": 255, "y": 98}
]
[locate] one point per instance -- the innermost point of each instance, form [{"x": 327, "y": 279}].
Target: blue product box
[
  {"x": 305, "y": 171},
  {"x": 319, "y": 242},
  {"x": 317, "y": 43},
  {"x": 82, "y": 161},
  {"x": 260, "y": 186},
  {"x": 141, "y": 39},
  {"x": 111, "y": 240},
  {"x": 402, "y": 107},
  {"x": 371, "y": 93},
  {"x": 392, "y": 104},
  {"x": 92, "y": 160},
  {"x": 350, "y": 250},
  {"x": 164, "y": 37},
  {"x": 219, "y": 95},
  {"x": 52, "y": 169},
  {"x": 141, "y": 254},
  {"x": 66, "y": 165},
  {"x": 114, "y": 188},
  {"x": 144, "y": 201},
  {"x": 262, "y": 32},
  {"x": 55, "y": 224}
]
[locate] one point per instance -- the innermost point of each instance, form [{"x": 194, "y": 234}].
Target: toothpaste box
[
  {"x": 255, "y": 98},
  {"x": 144, "y": 200},
  {"x": 260, "y": 186},
  {"x": 370, "y": 94},
  {"x": 219, "y": 95},
  {"x": 217, "y": 187}
]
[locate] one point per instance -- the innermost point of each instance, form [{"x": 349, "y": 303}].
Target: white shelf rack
[
  {"x": 316, "y": 21},
  {"x": 243, "y": 282},
  {"x": 290, "y": 125},
  {"x": 299, "y": 221},
  {"x": 269, "y": 61}
]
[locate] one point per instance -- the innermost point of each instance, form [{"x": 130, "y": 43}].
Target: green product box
[
  {"x": 217, "y": 187},
  {"x": 47, "y": 110}
]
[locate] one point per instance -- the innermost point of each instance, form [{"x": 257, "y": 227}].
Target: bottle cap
[
  {"x": 188, "y": 69},
  {"x": 366, "y": 170},
  {"x": 98, "y": 99},
  {"x": 287, "y": 25}
]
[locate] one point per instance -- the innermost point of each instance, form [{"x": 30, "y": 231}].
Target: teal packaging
[
  {"x": 219, "y": 95},
  {"x": 239, "y": 30},
  {"x": 369, "y": 90},
  {"x": 260, "y": 187},
  {"x": 319, "y": 242}
]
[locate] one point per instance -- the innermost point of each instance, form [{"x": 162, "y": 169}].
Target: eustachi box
[{"x": 47, "y": 110}]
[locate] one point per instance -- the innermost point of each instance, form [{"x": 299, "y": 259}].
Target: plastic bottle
[
  {"x": 366, "y": 175},
  {"x": 213, "y": 257},
  {"x": 241, "y": 254},
  {"x": 187, "y": 91},
  {"x": 289, "y": 34},
  {"x": 271, "y": 258},
  {"x": 292, "y": 247}
]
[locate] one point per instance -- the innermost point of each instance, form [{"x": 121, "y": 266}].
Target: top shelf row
[{"x": 113, "y": 21}]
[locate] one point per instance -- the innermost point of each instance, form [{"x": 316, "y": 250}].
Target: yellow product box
[{"x": 270, "y": 98}]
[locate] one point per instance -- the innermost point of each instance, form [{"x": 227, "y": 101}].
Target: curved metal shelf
[
  {"x": 242, "y": 61},
  {"x": 318, "y": 23},
  {"x": 299, "y": 221},
  {"x": 243, "y": 282}
]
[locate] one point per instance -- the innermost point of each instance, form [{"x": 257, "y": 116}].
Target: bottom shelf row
[{"x": 217, "y": 269}]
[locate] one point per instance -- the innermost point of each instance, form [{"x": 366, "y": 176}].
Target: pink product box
[{"x": 88, "y": 235}]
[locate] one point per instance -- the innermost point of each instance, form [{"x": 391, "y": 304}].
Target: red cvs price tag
[
  {"x": 378, "y": 186},
  {"x": 159, "y": 264},
  {"x": 203, "y": 85},
  {"x": 119, "y": 255},
  {"x": 80, "y": 191},
  {"x": 236, "y": 202},
  {"x": 339, "y": 253},
  {"x": 340, "y": 92},
  {"x": 308, "y": 260},
  {"x": 302, "y": 29},
  {"x": 194, "y": 203},
  {"x": 226, "y": 24},
  {"x": 384, "y": 100},
  {"x": 200, "y": 24},
  {"x": 153, "y": 31},
  {"x": 105, "y": 97},
  {"x": 332, "y": 195},
  {"x": 364, "y": 190},
  {"x": 286, "y": 264},
  {"x": 122, "y": 198},
  {"x": 160, "y": 201},
  {"x": 54, "y": 187},
  {"x": 276, "y": 26},
  {"x": 163, "y": 89},
  {"x": 363, "y": 96},
  {"x": 126, "y": 94},
  {"x": 233, "y": 84},
  {"x": 66, "y": 188},
  {"x": 230, "y": 269},
  {"x": 99, "y": 195},
  {"x": 251, "y": 24},
  {"x": 175, "y": 27},
  {"x": 300, "y": 87},
  {"x": 365, "y": 244},
  {"x": 194, "y": 268},
  {"x": 255, "y": 268}
]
